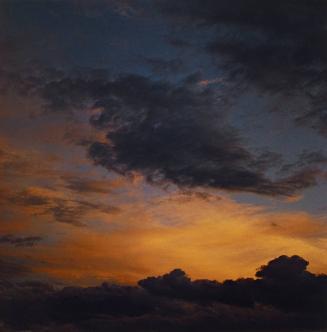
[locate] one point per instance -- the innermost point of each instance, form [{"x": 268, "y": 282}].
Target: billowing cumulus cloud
[{"x": 285, "y": 295}]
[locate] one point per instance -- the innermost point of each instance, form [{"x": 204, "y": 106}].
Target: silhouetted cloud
[
  {"x": 278, "y": 279},
  {"x": 285, "y": 296}
]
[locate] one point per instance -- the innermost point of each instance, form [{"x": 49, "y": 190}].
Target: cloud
[
  {"x": 20, "y": 241},
  {"x": 177, "y": 133},
  {"x": 168, "y": 132},
  {"x": 306, "y": 159},
  {"x": 42, "y": 201},
  {"x": 284, "y": 267},
  {"x": 83, "y": 185},
  {"x": 10, "y": 269},
  {"x": 29, "y": 198},
  {"x": 17, "y": 164},
  {"x": 174, "y": 302},
  {"x": 278, "y": 279},
  {"x": 278, "y": 47},
  {"x": 178, "y": 43},
  {"x": 165, "y": 67},
  {"x": 72, "y": 211}
]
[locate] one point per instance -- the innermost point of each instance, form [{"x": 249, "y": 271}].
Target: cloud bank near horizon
[{"x": 283, "y": 295}]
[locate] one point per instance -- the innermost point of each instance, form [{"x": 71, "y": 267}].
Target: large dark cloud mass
[
  {"x": 285, "y": 295},
  {"x": 277, "y": 46},
  {"x": 169, "y": 132},
  {"x": 174, "y": 131}
]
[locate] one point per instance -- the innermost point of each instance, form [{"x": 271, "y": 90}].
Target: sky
[{"x": 172, "y": 152}]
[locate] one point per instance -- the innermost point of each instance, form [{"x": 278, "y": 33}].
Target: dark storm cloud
[
  {"x": 278, "y": 46},
  {"x": 173, "y": 132},
  {"x": 169, "y": 132},
  {"x": 20, "y": 241},
  {"x": 285, "y": 295},
  {"x": 177, "y": 133}
]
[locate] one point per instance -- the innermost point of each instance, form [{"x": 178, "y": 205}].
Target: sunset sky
[{"x": 137, "y": 137}]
